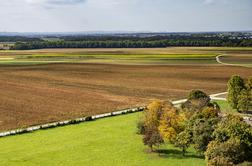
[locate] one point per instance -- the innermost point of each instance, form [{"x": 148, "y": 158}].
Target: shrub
[{"x": 229, "y": 152}]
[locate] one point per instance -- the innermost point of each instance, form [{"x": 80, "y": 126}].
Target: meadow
[{"x": 110, "y": 141}]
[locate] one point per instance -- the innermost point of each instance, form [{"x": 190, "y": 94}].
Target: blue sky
[{"x": 125, "y": 15}]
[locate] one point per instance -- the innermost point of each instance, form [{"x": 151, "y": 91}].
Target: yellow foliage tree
[{"x": 171, "y": 123}]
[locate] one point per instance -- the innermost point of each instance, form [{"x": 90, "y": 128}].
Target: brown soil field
[
  {"x": 44, "y": 93},
  {"x": 237, "y": 59}
]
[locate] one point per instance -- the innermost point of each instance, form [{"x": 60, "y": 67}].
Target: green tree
[
  {"x": 243, "y": 101},
  {"x": 201, "y": 126},
  {"x": 197, "y": 94},
  {"x": 196, "y": 101},
  {"x": 232, "y": 127},
  {"x": 225, "y": 153},
  {"x": 249, "y": 88},
  {"x": 235, "y": 86},
  {"x": 183, "y": 141}
]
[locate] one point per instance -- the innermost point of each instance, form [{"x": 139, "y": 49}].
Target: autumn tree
[
  {"x": 235, "y": 86},
  {"x": 148, "y": 126},
  {"x": 171, "y": 123}
]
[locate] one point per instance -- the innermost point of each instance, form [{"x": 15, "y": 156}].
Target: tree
[
  {"x": 201, "y": 126},
  {"x": 196, "y": 101},
  {"x": 233, "y": 128},
  {"x": 243, "y": 101},
  {"x": 148, "y": 126},
  {"x": 197, "y": 94},
  {"x": 171, "y": 123},
  {"x": 249, "y": 88},
  {"x": 235, "y": 86},
  {"x": 225, "y": 153},
  {"x": 152, "y": 137},
  {"x": 183, "y": 141}
]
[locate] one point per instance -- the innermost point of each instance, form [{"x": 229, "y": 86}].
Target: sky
[{"x": 125, "y": 15}]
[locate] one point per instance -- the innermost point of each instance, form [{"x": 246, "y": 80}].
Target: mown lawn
[{"x": 110, "y": 141}]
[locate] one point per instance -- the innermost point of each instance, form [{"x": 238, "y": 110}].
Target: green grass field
[
  {"x": 110, "y": 141},
  {"x": 171, "y": 55},
  {"x": 109, "y": 58},
  {"x": 225, "y": 108}
]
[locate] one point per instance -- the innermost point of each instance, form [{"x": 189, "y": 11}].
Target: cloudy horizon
[{"x": 121, "y": 15}]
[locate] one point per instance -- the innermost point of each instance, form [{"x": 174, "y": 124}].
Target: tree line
[
  {"x": 132, "y": 42},
  {"x": 223, "y": 139}
]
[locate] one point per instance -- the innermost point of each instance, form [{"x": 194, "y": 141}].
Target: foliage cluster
[{"x": 223, "y": 139}]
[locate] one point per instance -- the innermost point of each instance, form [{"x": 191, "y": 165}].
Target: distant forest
[{"x": 140, "y": 41}]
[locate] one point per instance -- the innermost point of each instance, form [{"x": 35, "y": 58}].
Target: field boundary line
[
  {"x": 227, "y": 64},
  {"x": 86, "y": 118}
]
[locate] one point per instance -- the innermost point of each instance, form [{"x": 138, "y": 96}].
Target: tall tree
[
  {"x": 235, "y": 86},
  {"x": 171, "y": 123},
  {"x": 243, "y": 101},
  {"x": 152, "y": 114}
]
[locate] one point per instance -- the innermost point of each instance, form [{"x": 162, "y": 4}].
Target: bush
[{"x": 229, "y": 152}]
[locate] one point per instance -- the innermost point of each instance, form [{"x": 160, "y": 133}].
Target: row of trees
[
  {"x": 240, "y": 93},
  {"x": 223, "y": 140},
  {"x": 132, "y": 43}
]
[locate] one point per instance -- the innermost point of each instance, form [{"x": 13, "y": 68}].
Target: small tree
[
  {"x": 235, "y": 86},
  {"x": 152, "y": 137},
  {"x": 183, "y": 141}
]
